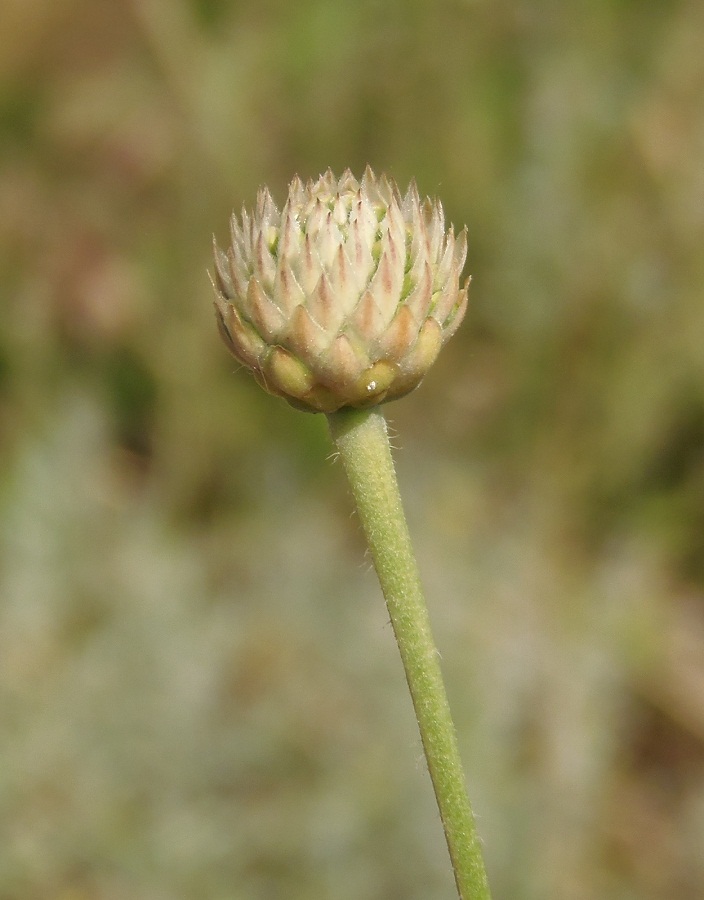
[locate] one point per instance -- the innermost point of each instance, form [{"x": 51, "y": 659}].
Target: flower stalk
[{"x": 362, "y": 440}]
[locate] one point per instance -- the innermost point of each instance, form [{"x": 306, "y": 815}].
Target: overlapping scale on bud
[{"x": 343, "y": 298}]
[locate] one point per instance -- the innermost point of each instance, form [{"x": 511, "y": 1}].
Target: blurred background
[{"x": 200, "y": 696}]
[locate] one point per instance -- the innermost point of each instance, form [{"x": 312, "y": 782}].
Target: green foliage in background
[{"x": 199, "y": 693}]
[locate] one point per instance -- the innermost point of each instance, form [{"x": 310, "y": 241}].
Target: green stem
[{"x": 362, "y": 439}]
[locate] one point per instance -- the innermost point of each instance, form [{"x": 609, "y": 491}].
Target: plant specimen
[{"x": 338, "y": 303}]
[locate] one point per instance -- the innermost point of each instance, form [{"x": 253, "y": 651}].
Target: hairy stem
[{"x": 362, "y": 439}]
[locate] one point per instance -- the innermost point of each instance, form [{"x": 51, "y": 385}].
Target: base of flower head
[{"x": 284, "y": 376}]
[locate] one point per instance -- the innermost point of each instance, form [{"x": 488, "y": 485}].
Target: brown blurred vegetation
[{"x": 199, "y": 694}]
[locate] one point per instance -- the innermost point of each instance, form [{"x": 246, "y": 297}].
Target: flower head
[{"x": 343, "y": 298}]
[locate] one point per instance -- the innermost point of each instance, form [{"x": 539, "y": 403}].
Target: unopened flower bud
[{"x": 345, "y": 297}]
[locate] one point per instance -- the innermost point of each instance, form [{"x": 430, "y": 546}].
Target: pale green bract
[{"x": 345, "y": 297}]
